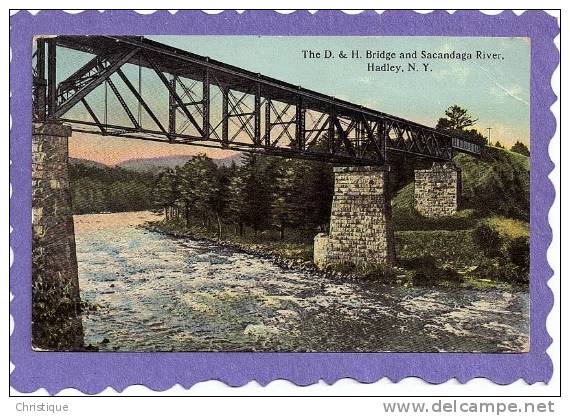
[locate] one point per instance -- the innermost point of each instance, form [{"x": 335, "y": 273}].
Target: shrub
[
  {"x": 343, "y": 268},
  {"x": 503, "y": 271},
  {"x": 427, "y": 272},
  {"x": 519, "y": 253},
  {"x": 488, "y": 239},
  {"x": 378, "y": 273},
  {"x": 56, "y": 314}
]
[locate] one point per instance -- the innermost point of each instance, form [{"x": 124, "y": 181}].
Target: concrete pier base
[
  {"x": 437, "y": 190},
  {"x": 56, "y": 315},
  {"x": 361, "y": 230}
]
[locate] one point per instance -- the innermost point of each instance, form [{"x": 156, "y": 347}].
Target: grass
[
  {"x": 496, "y": 184},
  {"x": 508, "y": 227}
]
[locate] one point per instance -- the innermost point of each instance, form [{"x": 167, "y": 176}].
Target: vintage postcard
[{"x": 187, "y": 192}]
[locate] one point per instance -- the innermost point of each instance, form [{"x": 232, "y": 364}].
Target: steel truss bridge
[{"x": 133, "y": 87}]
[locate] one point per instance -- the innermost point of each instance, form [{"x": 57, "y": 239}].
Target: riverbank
[
  {"x": 443, "y": 258},
  {"x": 288, "y": 255}
]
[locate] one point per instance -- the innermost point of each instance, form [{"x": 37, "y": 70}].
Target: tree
[
  {"x": 499, "y": 145},
  {"x": 220, "y": 198},
  {"x": 199, "y": 188},
  {"x": 457, "y": 118},
  {"x": 167, "y": 192},
  {"x": 322, "y": 190},
  {"x": 488, "y": 239},
  {"x": 249, "y": 201},
  {"x": 520, "y": 148},
  {"x": 302, "y": 195},
  {"x": 283, "y": 210},
  {"x": 519, "y": 253},
  {"x": 457, "y": 121},
  {"x": 236, "y": 203},
  {"x": 102, "y": 188}
]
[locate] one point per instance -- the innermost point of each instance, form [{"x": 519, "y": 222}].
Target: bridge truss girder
[{"x": 253, "y": 113}]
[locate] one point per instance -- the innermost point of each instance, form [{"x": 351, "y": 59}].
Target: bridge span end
[{"x": 361, "y": 229}]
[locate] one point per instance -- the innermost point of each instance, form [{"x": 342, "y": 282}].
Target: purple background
[{"x": 92, "y": 372}]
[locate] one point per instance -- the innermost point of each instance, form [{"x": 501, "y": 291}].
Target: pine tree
[
  {"x": 456, "y": 118},
  {"x": 167, "y": 192},
  {"x": 520, "y": 148},
  {"x": 198, "y": 188},
  {"x": 283, "y": 209}
]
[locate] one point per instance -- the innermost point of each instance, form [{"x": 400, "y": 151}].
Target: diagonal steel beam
[
  {"x": 94, "y": 116},
  {"x": 142, "y": 102},
  {"x": 175, "y": 96},
  {"x": 189, "y": 93},
  {"x": 309, "y": 139},
  {"x": 123, "y": 104},
  {"x": 81, "y": 72},
  {"x": 66, "y": 106},
  {"x": 372, "y": 137},
  {"x": 344, "y": 136}
]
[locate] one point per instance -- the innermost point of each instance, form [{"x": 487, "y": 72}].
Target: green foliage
[
  {"x": 427, "y": 270},
  {"x": 501, "y": 271},
  {"x": 457, "y": 121},
  {"x": 488, "y": 239},
  {"x": 520, "y": 148},
  {"x": 497, "y": 183},
  {"x": 109, "y": 189},
  {"x": 380, "y": 273},
  {"x": 263, "y": 193},
  {"x": 406, "y": 217},
  {"x": 167, "y": 190},
  {"x": 499, "y": 145},
  {"x": 55, "y": 312},
  {"x": 302, "y": 195},
  {"x": 257, "y": 174},
  {"x": 519, "y": 253},
  {"x": 456, "y": 118},
  {"x": 456, "y": 248}
]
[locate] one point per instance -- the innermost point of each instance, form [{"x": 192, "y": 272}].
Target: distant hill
[
  {"x": 86, "y": 162},
  {"x": 157, "y": 164}
]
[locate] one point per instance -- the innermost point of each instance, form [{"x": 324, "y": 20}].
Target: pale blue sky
[{"x": 494, "y": 91}]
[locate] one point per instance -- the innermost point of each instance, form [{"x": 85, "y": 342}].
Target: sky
[{"x": 496, "y": 92}]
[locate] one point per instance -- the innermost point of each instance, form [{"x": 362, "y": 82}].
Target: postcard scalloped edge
[{"x": 91, "y": 373}]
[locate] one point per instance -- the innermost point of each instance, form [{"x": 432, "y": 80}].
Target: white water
[{"x": 157, "y": 293}]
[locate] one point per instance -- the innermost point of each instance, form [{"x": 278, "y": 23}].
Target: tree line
[
  {"x": 99, "y": 188},
  {"x": 260, "y": 193}
]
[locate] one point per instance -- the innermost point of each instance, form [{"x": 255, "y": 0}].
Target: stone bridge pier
[
  {"x": 56, "y": 315},
  {"x": 361, "y": 231},
  {"x": 437, "y": 191}
]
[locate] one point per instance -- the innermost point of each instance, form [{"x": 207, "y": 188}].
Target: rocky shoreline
[{"x": 283, "y": 262}]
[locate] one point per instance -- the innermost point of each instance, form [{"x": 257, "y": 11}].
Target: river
[{"x": 151, "y": 292}]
